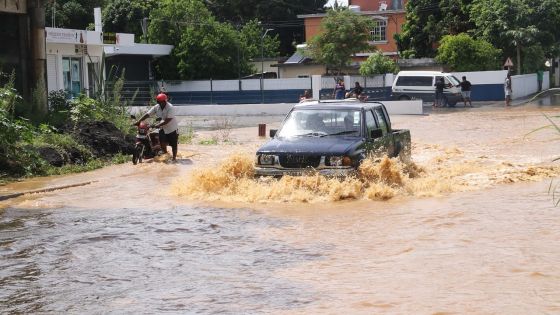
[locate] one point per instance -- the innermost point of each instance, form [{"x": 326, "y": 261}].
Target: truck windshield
[{"x": 322, "y": 123}]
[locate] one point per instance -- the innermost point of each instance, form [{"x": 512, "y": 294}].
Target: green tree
[
  {"x": 281, "y": 15},
  {"x": 343, "y": 34},
  {"x": 251, "y": 34},
  {"x": 125, "y": 16},
  {"x": 463, "y": 53},
  {"x": 514, "y": 24},
  {"x": 427, "y": 21},
  {"x": 204, "y": 48},
  {"x": 376, "y": 64},
  {"x": 533, "y": 59},
  {"x": 76, "y": 14}
]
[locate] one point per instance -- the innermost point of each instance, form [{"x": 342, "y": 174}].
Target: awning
[{"x": 138, "y": 49}]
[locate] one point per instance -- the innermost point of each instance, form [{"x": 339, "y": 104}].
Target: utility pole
[{"x": 36, "y": 11}]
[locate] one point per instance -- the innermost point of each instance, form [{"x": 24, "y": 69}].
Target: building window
[
  {"x": 379, "y": 32},
  {"x": 72, "y": 75}
]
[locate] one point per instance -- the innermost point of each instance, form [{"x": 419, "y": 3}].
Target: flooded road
[{"x": 475, "y": 233}]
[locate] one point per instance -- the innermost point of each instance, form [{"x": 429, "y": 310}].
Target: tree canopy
[
  {"x": 427, "y": 21},
  {"x": 281, "y": 15},
  {"x": 343, "y": 34},
  {"x": 204, "y": 47},
  {"x": 463, "y": 53},
  {"x": 378, "y": 64},
  {"x": 125, "y": 16},
  {"x": 76, "y": 14},
  {"x": 509, "y": 25}
]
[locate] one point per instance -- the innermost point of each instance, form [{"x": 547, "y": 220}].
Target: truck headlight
[
  {"x": 266, "y": 159},
  {"x": 339, "y": 161}
]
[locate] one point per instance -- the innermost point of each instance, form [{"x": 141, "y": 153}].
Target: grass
[
  {"x": 553, "y": 188},
  {"x": 212, "y": 141},
  {"x": 187, "y": 135},
  {"x": 224, "y": 127}
]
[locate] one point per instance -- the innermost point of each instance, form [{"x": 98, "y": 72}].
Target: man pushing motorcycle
[{"x": 168, "y": 132}]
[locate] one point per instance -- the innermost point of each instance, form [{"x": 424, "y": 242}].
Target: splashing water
[{"x": 376, "y": 179}]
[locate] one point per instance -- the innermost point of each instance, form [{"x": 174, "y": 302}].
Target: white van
[{"x": 421, "y": 85}]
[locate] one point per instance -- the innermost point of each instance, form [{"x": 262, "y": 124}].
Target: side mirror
[
  {"x": 376, "y": 133},
  {"x": 132, "y": 116},
  {"x": 272, "y": 132}
]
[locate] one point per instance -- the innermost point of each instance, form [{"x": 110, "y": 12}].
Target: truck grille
[{"x": 299, "y": 161}]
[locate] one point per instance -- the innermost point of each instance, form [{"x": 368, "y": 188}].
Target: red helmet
[{"x": 161, "y": 98}]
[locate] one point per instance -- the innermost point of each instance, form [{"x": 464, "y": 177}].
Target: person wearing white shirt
[{"x": 169, "y": 134}]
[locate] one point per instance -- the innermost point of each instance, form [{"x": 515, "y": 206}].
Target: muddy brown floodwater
[{"x": 469, "y": 228}]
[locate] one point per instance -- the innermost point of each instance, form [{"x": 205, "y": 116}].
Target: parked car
[
  {"x": 421, "y": 85},
  {"x": 330, "y": 137}
]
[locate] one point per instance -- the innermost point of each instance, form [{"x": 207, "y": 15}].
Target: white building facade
[{"x": 74, "y": 57}]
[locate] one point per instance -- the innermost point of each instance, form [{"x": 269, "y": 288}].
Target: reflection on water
[
  {"x": 195, "y": 259},
  {"x": 549, "y": 98}
]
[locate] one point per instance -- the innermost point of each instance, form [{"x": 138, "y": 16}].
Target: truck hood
[{"x": 311, "y": 145}]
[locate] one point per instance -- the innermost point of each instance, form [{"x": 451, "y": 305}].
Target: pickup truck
[{"x": 331, "y": 138}]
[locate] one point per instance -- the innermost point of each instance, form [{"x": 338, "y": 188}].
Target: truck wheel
[
  {"x": 397, "y": 149},
  {"x": 404, "y": 98}
]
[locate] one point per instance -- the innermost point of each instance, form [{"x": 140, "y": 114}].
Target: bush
[
  {"x": 15, "y": 158},
  {"x": 59, "y": 108},
  {"x": 463, "y": 53},
  {"x": 377, "y": 63}
]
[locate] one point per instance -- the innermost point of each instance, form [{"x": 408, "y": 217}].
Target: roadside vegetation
[
  {"x": 472, "y": 34},
  {"x": 75, "y": 135}
]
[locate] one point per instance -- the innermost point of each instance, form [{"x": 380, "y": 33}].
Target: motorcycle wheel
[{"x": 137, "y": 154}]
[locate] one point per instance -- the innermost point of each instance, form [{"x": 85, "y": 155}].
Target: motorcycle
[{"x": 147, "y": 144}]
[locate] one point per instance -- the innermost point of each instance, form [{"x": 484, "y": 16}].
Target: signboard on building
[
  {"x": 13, "y": 6},
  {"x": 109, "y": 38},
  {"x": 67, "y": 36}
]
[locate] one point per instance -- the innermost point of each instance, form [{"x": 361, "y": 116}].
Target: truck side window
[
  {"x": 371, "y": 124},
  {"x": 381, "y": 119}
]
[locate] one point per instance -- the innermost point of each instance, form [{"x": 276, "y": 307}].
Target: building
[
  {"x": 22, "y": 24},
  {"x": 76, "y": 59},
  {"x": 389, "y": 16}
]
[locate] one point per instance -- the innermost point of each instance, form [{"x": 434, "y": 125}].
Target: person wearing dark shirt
[
  {"x": 439, "y": 98},
  {"x": 466, "y": 91},
  {"x": 357, "y": 91},
  {"x": 339, "y": 90}
]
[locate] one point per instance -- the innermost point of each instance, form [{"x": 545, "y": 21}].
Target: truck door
[
  {"x": 374, "y": 145},
  {"x": 382, "y": 122}
]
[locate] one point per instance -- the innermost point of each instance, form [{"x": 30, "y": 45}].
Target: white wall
[
  {"x": 233, "y": 85},
  {"x": 483, "y": 77},
  {"x": 393, "y": 107},
  {"x": 412, "y": 107},
  {"x": 55, "y": 52},
  {"x": 523, "y": 85}
]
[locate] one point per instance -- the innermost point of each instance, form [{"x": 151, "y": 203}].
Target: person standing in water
[
  {"x": 508, "y": 89},
  {"x": 466, "y": 91}
]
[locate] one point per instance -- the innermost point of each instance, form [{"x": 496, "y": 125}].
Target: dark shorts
[{"x": 169, "y": 138}]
